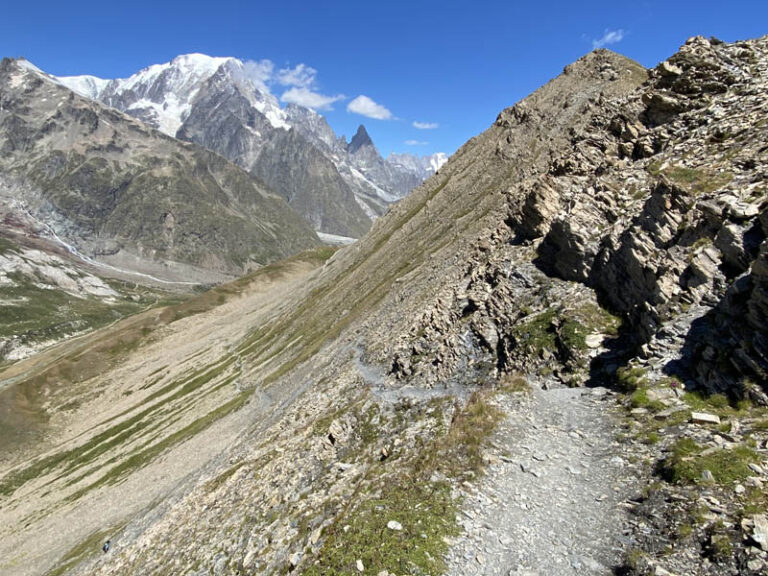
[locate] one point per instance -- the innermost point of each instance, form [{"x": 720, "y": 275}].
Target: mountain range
[
  {"x": 223, "y": 105},
  {"x": 112, "y": 188}
]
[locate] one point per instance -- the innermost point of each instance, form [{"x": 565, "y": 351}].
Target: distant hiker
[{"x": 106, "y": 546}]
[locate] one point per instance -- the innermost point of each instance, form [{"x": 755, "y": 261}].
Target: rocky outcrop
[{"x": 654, "y": 202}]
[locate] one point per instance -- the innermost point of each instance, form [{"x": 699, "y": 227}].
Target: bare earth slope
[{"x": 102, "y": 407}]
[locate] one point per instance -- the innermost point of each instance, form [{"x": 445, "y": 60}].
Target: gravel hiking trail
[{"x": 552, "y": 501}]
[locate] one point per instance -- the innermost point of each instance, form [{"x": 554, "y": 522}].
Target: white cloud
[
  {"x": 415, "y": 143},
  {"x": 305, "y": 97},
  {"x": 301, "y": 75},
  {"x": 609, "y": 37},
  {"x": 259, "y": 72},
  {"x": 366, "y": 107},
  {"x": 426, "y": 125}
]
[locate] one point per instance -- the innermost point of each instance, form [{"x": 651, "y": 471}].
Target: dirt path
[{"x": 551, "y": 502}]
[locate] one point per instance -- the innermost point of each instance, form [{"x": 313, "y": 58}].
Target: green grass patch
[
  {"x": 717, "y": 403},
  {"x": 697, "y": 180},
  {"x": 88, "y": 547},
  {"x": 406, "y": 493},
  {"x": 651, "y": 438},
  {"x": 426, "y": 513},
  {"x": 631, "y": 378},
  {"x": 640, "y": 399},
  {"x": 701, "y": 242},
  {"x": 513, "y": 382},
  {"x": 142, "y": 457},
  {"x": 760, "y": 424},
  {"x": 560, "y": 327},
  {"x": 34, "y": 313},
  {"x": 7, "y": 246},
  {"x": 754, "y": 501},
  {"x": 538, "y": 333},
  {"x": 76, "y": 458},
  {"x": 685, "y": 463}
]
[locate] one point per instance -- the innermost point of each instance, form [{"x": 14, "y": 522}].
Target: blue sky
[{"x": 449, "y": 66}]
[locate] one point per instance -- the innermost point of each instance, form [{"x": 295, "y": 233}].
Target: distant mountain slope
[
  {"x": 223, "y": 104},
  {"x": 120, "y": 191},
  {"x": 236, "y": 120}
]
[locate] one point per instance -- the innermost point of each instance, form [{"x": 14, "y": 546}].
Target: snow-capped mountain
[
  {"x": 225, "y": 105},
  {"x": 426, "y": 165},
  {"x": 162, "y": 94},
  {"x": 88, "y": 86}
]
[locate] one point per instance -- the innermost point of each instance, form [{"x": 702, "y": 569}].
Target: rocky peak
[{"x": 360, "y": 140}]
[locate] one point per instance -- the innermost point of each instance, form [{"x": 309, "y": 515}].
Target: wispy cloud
[
  {"x": 415, "y": 143},
  {"x": 309, "y": 99},
  {"x": 608, "y": 38},
  {"x": 366, "y": 107},
  {"x": 301, "y": 75},
  {"x": 301, "y": 81},
  {"x": 426, "y": 125},
  {"x": 259, "y": 73}
]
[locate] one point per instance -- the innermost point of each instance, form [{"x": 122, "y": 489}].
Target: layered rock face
[
  {"x": 109, "y": 186},
  {"x": 655, "y": 201}
]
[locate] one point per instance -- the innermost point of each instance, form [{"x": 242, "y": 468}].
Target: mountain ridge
[
  {"x": 112, "y": 186},
  {"x": 177, "y": 95}
]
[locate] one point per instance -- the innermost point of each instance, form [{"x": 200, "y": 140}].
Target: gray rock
[{"x": 704, "y": 418}]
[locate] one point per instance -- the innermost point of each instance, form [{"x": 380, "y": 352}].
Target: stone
[
  {"x": 704, "y": 418},
  {"x": 249, "y": 558},
  {"x": 627, "y": 149},
  {"x": 668, "y": 70},
  {"x": 760, "y": 530},
  {"x": 294, "y": 560},
  {"x": 659, "y": 394},
  {"x": 664, "y": 414},
  {"x": 594, "y": 341},
  {"x": 394, "y": 525},
  {"x": 359, "y": 565},
  {"x": 707, "y": 476},
  {"x": 739, "y": 210}
]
